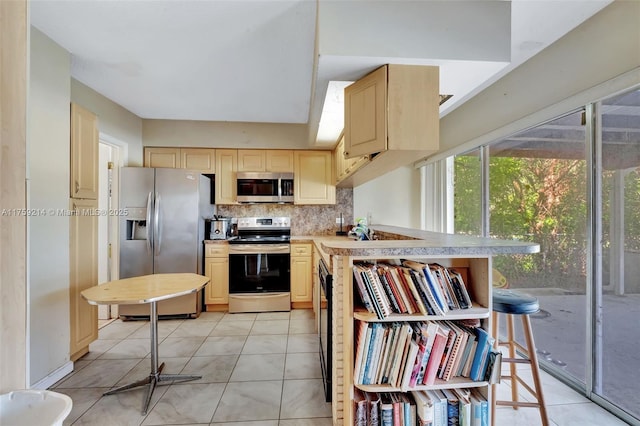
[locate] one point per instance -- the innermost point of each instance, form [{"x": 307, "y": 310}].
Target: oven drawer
[
  {"x": 263, "y": 302},
  {"x": 300, "y": 249},
  {"x": 216, "y": 250}
]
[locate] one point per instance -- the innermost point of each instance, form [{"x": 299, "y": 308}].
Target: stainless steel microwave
[{"x": 264, "y": 187}]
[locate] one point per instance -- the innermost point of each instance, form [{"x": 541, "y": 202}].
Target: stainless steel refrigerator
[{"x": 163, "y": 230}]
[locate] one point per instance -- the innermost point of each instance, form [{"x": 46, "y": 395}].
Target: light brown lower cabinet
[
  {"x": 301, "y": 269},
  {"x": 216, "y": 267},
  {"x": 83, "y": 273}
]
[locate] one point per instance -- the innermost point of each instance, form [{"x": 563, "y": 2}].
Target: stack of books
[
  {"x": 412, "y": 287},
  {"x": 404, "y": 355},
  {"x": 433, "y": 407}
]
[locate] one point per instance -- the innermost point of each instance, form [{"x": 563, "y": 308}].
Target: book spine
[
  {"x": 406, "y": 275},
  {"x": 434, "y": 359},
  {"x": 372, "y": 292},
  {"x": 362, "y": 290},
  {"x": 436, "y": 290},
  {"x": 394, "y": 298},
  {"x": 379, "y": 294},
  {"x": 386, "y": 410}
]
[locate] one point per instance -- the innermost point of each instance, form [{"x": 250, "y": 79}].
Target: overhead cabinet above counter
[
  {"x": 391, "y": 119},
  {"x": 313, "y": 171}
]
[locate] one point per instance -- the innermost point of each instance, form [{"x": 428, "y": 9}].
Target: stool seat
[{"x": 512, "y": 302}]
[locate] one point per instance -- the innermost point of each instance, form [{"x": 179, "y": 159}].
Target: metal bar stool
[{"x": 511, "y": 303}]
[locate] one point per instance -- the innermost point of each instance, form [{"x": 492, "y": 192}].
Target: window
[{"x": 572, "y": 185}]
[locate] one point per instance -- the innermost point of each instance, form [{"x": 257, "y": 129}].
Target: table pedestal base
[
  {"x": 155, "y": 378},
  {"x": 152, "y": 381}
]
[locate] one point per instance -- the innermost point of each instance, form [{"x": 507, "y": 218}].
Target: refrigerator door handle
[
  {"x": 149, "y": 235},
  {"x": 157, "y": 226}
]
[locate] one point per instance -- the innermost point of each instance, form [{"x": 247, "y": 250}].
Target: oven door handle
[{"x": 259, "y": 249}]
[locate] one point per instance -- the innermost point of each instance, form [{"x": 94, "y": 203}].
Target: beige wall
[
  {"x": 113, "y": 120},
  {"x": 48, "y": 243},
  {"x": 224, "y": 134},
  {"x": 391, "y": 199}
]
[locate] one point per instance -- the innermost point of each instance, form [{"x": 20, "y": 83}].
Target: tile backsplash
[{"x": 305, "y": 220}]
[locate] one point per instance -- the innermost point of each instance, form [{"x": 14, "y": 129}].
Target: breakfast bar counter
[{"x": 397, "y": 243}]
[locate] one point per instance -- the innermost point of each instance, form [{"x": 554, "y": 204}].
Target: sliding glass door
[
  {"x": 617, "y": 293},
  {"x": 572, "y": 185}
]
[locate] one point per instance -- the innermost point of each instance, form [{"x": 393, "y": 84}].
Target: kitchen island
[{"x": 471, "y": 253}]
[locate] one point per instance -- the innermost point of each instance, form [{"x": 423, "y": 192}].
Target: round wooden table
[{"x": 147, "y": 289}]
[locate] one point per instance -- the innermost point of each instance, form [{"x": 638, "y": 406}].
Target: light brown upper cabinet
[
  {"x": 314, "y": 181},
  {"x": 345, "y": 167},
  {"x": 162, "y": 157},
  {"x": 226, "y": 168},
  {"x": 84, "y": 153},
  {"x": 201, "y": 159},
  {"x": 265, "y": 160},
  {"x": 391, "y": 114},
  {"x": 279, "y": 160},
  {"x": 251, "y": 160}
]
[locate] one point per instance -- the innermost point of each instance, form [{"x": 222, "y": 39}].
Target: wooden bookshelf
[{"x": 447, "y": 250}]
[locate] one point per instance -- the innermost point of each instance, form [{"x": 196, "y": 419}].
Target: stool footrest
[
  {"x": 517, "y": 345},
  {"x": 521, "y": 381},
  {"x": 517, "y": 360},
  {"x": 518, "y": 404}
]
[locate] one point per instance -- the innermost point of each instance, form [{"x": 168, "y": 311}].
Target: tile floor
[{"x": 258, "y": 370}]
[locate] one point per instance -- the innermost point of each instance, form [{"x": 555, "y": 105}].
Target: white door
[{"x": 108, "y": 164}]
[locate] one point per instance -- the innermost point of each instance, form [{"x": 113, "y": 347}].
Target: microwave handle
[{"x": 279, "y": 188}]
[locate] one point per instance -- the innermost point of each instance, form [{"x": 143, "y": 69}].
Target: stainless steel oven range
[{"x": 259, "y": 265}]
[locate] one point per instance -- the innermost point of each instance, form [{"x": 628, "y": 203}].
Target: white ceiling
[{"x": 271, "y": 61}]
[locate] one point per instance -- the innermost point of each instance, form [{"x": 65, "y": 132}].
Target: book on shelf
[
  {"x": 361, "y": 327},
  {"x": 379, "y": 298},
  {"x": 405, "y": 353},
  {"x": 466, "y": 354},
  {"x": 373, "y": 413},
  {"x": 456, "y": 352},
  {"x": 438, "y": 274},
  {"x": 494, "y": 366},
  {"x": 485, "y": 343},
  {"x": 372, "y": 367},
  {"x": 453, "y": 409},
  {"x": 386, "y": 286},
  {"x": 386, "y": 409},
  {"x": 387, "y": 358},
  {"x": 479, "y": 408},
  {"x": 428, "y": 335},
  {"x": 452, "y": 334},
  {"x": 405, "y": 292},
  {"x": 466, "y": 370},
  {"x": 361, "y": 408},
  {"x": 424, "y": 407},
  {"x": 390, "y": 286},
  {"x": 398, "y": 409},
  {"x": 464, "y": 406},
  {"x": 410, "y": 279},
  {"x": 433, "y": 287},
  {"x": 410, "y": 415},
  {"x": 437, "y": 350},
  {"x": 363, "y": 291},
  {"x": 424, "y": 282},
  {"x": 460, "y": 288},
  {"x": 384, "y": 348},
  {"x": 361, "y": 360},
  {"x": 409, "y": 362},
  {"x": 440, "y": 407}
]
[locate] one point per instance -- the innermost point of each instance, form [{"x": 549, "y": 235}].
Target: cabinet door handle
[{"x": 77, "y": 187}]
